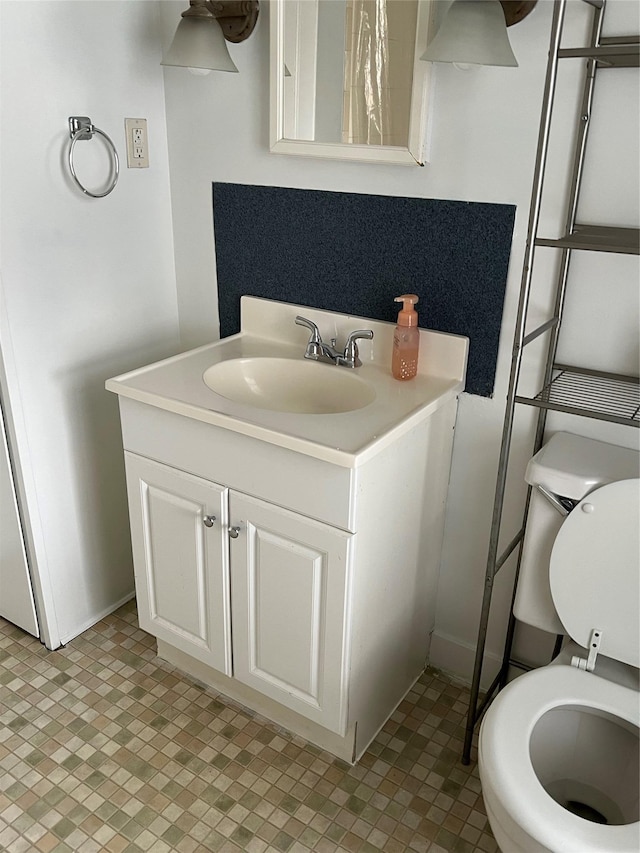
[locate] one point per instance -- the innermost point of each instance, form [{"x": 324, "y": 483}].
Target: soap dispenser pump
[{"x": 406, "y": 339}]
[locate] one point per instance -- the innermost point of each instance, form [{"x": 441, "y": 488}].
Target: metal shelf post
[{"x": 575, "y": 390}]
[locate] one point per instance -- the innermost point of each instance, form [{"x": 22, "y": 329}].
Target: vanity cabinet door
[
  {"x": 181, "y": 559},
  {"x": 290, "y": 590}
]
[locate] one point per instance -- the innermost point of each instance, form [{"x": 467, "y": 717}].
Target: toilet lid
[{"x": 594, "y": 572}]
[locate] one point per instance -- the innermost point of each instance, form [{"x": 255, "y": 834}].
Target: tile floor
[{"x": 103, "y": 747}]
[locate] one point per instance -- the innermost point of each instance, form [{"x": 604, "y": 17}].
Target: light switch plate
[{"x": 137, "y": 143}]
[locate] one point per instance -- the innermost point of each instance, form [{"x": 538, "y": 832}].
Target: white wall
[{"x": 89, "y": 288}]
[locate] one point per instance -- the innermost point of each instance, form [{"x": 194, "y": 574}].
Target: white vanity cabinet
[
  {"x": 287, "y": 557},
  {"x": 250, "y": 589},
  {"x": 318, "y": 614}
]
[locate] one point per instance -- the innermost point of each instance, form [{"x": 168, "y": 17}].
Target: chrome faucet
[{"x": 321, "y": 351}]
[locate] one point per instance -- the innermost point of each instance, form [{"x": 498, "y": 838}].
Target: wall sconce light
[
  {"x": 199, "y": 42},
  {"x": 474, "y": 32}
]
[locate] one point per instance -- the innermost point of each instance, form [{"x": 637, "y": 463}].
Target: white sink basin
[
  {"x": 267, "y": 390},
  {"x": 289, "y": 385}
]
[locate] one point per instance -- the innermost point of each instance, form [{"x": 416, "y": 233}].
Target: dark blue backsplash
[{"x": 354, "y": 253}]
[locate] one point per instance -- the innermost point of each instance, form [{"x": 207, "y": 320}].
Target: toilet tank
[{"x": 569, "y": 467}]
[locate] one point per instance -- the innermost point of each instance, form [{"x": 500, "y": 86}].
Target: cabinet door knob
[
  {"x": 208, "y": 520},
  {"x": 234, "y": 532}
]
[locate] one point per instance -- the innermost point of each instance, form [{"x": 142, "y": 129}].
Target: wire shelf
[
  {"x": 573, "y": 390},
  {"x": 597, "y": 238},
  {"x": 610, "y": 53},
  {"x": 589, "y": 393}
]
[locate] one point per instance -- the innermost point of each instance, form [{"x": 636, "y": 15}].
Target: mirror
[{"x": 347, "y": 81}]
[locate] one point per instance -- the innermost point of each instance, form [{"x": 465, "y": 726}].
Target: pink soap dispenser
[{"x": 406, "y": 339}]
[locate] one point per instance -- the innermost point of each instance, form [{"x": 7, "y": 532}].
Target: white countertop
[{"x": 268, "y": 329}]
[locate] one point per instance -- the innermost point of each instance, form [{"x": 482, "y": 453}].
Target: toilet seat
[
  {"x": 504, "y": 748},
  {"x": 594, "y": 571}
]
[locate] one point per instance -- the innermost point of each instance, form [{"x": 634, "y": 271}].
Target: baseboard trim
[
  {"x": 456, "y": 658},
  {"x": 95, "y": 618}
]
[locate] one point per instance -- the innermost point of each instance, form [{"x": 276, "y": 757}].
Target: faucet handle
[
  {"x": 351, "y": 358},
  {"x": 315, "y": 332},
  {"x": 314, "y": 347}
]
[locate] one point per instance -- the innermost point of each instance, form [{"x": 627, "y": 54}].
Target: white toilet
[{"x": 559, "y": 746}]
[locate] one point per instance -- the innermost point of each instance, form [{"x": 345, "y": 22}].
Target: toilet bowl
[{"x": 559, "y": 748}]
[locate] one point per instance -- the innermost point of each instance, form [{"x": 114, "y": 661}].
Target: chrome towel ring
[{"x": 81, "y": 127}]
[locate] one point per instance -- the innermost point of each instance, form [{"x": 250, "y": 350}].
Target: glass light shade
[
  {"x": 473, "y": 32},
  {"x": 199, "y": 43}
]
